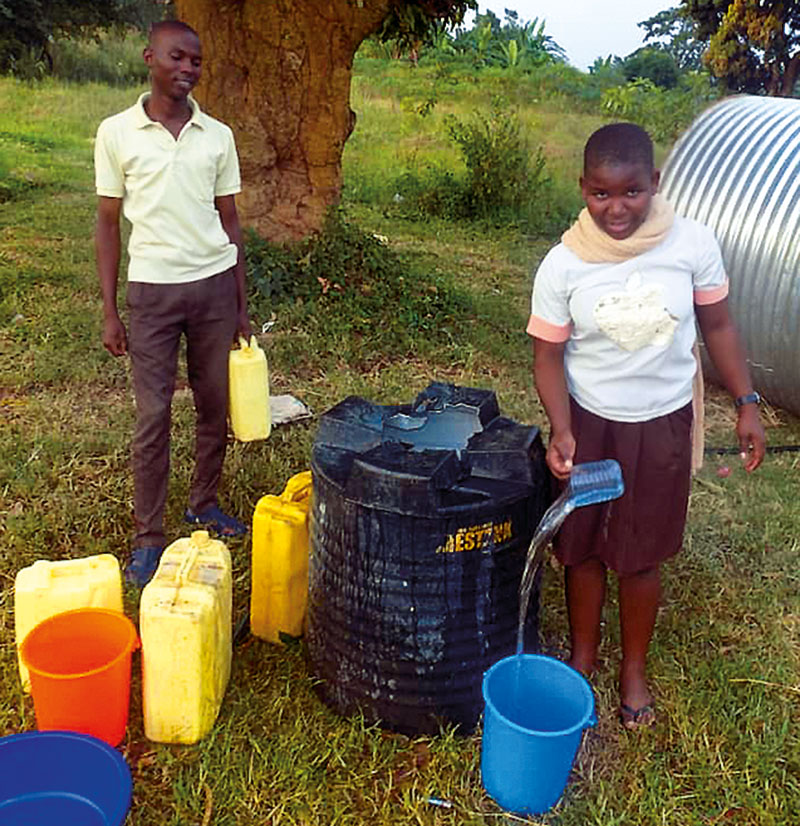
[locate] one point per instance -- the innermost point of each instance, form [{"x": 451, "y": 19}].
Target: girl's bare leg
[
  {"x": 586, "y": 592},
  {"x": 639, "y": 596}
]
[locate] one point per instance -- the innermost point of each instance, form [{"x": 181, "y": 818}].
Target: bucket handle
[{"x": 298, "y": 488}]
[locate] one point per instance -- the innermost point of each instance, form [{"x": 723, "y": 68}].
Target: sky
[{"x": 586, "y": 29}]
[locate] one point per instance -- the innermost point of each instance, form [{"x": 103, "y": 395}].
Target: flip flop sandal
[
  {"x": 217, "y": 521},
  {"x": 634, "y": 718}
]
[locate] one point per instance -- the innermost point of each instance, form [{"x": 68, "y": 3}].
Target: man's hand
[
  {"x": 226, "y": 206},
  {"x": 107, "y": 249},
  {"x": 115, "y": 338},
  {"x": 243, "y": 327}
]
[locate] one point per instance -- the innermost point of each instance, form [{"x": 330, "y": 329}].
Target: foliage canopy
[
  {"x": 27, "y": 26},
  {"x": 513, "y": 42},
  {"x": 754, "y": 45},
  {"x": 673, "y": 31},
  {"x": 657, "y": 65},
  {"x": 410, "y": 23}
]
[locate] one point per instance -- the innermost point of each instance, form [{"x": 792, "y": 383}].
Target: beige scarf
[{"x": 594, "y": 246}]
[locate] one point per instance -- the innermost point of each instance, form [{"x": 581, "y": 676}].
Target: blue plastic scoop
[{"x": 589, "y": 483}]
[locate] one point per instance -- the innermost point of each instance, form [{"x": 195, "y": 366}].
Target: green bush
[
  {"x": 23, "y": 62},
  {"x": 437, "y": 192},
  {"x": 657, "y": 65},
  {"x": 17, "y": 176},
  {"x": 664, "y": 113},
  {"x": 565, "y": 86},
  {"x": 500, "y": 169},
  {"x": 344, "y": 282},
  {"x": 505, "y": 182},
  {"x": 12, "y": 185},
  {"x": 111, "y": 57},
  {"x": 339, "y": 259}
]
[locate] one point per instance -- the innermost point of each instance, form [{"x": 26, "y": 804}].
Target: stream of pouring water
[
  {"x": 589, "y": 483},
  {"x": 548, "y": 526}
]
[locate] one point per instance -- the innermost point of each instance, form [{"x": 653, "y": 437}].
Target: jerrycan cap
[{"x": 200, "y": 539}]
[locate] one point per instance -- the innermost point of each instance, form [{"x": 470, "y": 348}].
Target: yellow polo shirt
[{"x": 168, "y": 188}]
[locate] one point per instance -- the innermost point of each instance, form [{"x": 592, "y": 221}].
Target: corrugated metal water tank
[
  {"x": 420, "y": 522},
  {"x": 737, "y": 170}
]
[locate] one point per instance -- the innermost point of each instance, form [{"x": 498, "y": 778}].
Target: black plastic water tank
[{"x": 420, "y": 522}]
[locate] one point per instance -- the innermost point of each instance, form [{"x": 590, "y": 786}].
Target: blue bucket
[
  {"x": 64, "y": 778},
  {"x": 536, "y": 709}
]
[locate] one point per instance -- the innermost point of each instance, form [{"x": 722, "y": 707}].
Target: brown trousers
[{"x": 158, "y": 314}]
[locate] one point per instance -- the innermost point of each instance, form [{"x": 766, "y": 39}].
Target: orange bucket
[{"x": 80, "y": 666}]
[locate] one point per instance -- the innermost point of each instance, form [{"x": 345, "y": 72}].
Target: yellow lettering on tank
[{"x": 477, "y": 537}]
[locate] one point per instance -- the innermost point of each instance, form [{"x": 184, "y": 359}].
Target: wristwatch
[{"x": 748, "y": 398}]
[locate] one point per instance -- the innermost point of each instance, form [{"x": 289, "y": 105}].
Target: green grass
[{"x": 726, "y": 654}]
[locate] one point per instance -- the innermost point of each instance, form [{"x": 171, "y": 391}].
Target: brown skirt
[{"x": 645, "y": 525}]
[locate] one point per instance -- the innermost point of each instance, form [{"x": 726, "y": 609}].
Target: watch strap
[{"x": 748, "y": 398}]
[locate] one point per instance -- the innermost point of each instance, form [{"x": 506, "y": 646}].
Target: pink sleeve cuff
[
  {"x": 711, "y": 296},
  {"x": 555, "y": 333}
]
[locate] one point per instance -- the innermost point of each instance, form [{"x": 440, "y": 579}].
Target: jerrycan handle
[
  {"x": 199, "y": 540},
  {"x": 65, "y": 567},
  {"x": 297, "y": 488},
  {"x": 253, "y": 345}
]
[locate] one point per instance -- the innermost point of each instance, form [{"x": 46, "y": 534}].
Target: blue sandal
[
  {"x": 142, "y": 564},
  {"x": 214, "y": 519}
]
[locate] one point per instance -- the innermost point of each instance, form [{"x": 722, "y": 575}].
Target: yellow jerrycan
[
  {"x": 46, "y": 588},
  {"x": 185, "y": 628},
  {"x": 248, "y": 379},
  {"x": 279, "y": 589}
]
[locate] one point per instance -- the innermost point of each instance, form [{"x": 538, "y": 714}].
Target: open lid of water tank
[
  {"x": 443, "y": 417},
  {"x": 450, "y": 447}
]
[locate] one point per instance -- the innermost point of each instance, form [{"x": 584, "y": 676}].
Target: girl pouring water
[{"x": 613, "y": 317}]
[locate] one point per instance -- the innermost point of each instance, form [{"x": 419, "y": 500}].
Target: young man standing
[{"x": 173, "y": 172}]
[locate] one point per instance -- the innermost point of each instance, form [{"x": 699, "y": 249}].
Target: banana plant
[
  {"x": 510, "y": 53},
  {"x": 483, "y": 39},
  {"x": 538, "y": 47}
]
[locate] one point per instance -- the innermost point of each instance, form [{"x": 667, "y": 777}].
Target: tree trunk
[
  {"x": 790, "y": 76},
  {"x": 278, "y": 73}
]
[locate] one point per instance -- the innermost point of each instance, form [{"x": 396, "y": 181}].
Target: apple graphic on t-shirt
[{"x": 636, "y": 317}]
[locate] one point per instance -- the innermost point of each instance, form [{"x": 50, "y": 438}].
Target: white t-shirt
[
  {"x": 629, "y": 328},
  {"x": 168, "y": 188}
]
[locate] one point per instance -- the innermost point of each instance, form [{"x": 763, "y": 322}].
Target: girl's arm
[
  {"x": 725, "y": 349},
  {"x": 551, "y": 384}
]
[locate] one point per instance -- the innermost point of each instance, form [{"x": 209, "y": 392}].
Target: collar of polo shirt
[{"x": 143, "y": 119}]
